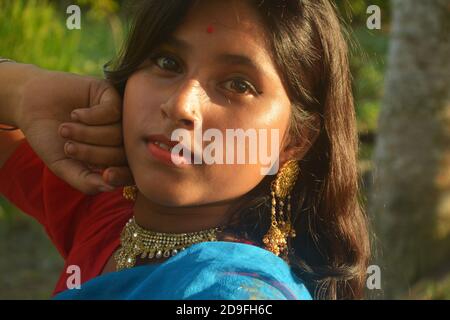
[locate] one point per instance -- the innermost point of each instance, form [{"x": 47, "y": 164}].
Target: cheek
[
  {"x": 269, "y": 119},
  {"x": 135, "y": 98},
  {"x": 276, "y": 119},
  {"x": 140, "y": 112},
  {"x": 140, "y": 105},
  {"x": 232, "y": 180}
]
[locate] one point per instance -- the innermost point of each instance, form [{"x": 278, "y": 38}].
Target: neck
[{"x": 155, "y": 217}]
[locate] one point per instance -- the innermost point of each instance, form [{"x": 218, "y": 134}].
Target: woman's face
[{"x": 215, "y": 72}]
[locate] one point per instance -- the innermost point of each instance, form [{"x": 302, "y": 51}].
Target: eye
[
  {"x": 167, "y": 63},
  {"x": 240, "y": 86}
]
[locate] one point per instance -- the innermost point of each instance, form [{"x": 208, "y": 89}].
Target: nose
[{"x": 184, "y": 106}]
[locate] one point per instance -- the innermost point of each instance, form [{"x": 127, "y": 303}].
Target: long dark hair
[{"x": 331, "y": 250}]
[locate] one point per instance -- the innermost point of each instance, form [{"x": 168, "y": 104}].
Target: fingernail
[
  {"x": 74, "y": 116},
  {"x": 110, "y": 178},
  {"x": 70, "y": 148},
  {"x": 64, "y": 132}
]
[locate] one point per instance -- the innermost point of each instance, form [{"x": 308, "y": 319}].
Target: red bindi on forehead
[{"x": 210, "y": 29}]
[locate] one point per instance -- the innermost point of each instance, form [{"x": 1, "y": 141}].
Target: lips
[
  {"x": 160, "y": 147},
  {"x": 163, "y": 145},
  {"x": 162, "y": 141}
]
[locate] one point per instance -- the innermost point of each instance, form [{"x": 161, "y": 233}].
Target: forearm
[{"x": 13, "y": 77}]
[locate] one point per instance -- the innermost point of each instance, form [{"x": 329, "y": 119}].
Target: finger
[
  {"x": 96, "y": 168},
  {"x": 106, "y": 135},
  {"x": 96, "y": 155},
  {"x": 118, "y": 176},
  {"x": 80, "y": 177},
  {"x": 107, "y": 112},
  {"x": 105, "y": 106}
]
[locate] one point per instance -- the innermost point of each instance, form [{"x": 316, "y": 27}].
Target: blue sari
[{"x": 217, "y": 270}]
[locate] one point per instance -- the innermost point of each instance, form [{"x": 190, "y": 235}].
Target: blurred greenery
[
  {"x": 431, "y": 289},
  {"x": 368, "y": 50},
  {"x": 34, "y": 31}
]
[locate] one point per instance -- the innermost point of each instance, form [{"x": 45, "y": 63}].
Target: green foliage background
[{"x": 34, "y": 31}]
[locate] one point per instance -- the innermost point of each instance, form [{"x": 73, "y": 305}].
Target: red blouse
[{"x": 85, "y": 229}]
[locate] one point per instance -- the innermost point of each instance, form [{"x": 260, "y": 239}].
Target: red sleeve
[
  {"x": 28, "y": 184},
  {"x": 85, "y": 229}
]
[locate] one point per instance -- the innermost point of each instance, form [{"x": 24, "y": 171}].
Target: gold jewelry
[
  {"x": 6, "y": 60},
  {"x": 130, "y": 192},
  {"x": 281, "y": 228},
  {"x": 137, "y": 241}
]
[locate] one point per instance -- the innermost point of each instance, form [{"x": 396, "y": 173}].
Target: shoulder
[{"x": 230, "y": 270}]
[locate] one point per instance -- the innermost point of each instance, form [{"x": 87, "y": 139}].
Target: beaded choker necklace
[{"x": 137, "y": 241}]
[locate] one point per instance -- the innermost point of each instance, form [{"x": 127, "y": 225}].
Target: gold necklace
[{"x": 137, "y": 241}]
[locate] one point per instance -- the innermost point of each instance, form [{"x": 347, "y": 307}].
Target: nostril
[{"x": 187, "y": 123}]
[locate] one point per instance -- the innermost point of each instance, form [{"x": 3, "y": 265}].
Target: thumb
[{"x": 80, "y": 176}]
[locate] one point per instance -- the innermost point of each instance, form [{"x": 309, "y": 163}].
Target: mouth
[{"x": 160, "y": 149}]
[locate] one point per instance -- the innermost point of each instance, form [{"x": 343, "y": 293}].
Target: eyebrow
[
  {"x": 224, "y": 58},
  {"x": 227, "y": 58},
  {"x": 177, "y": 44}
]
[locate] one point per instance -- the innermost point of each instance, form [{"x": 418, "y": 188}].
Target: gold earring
[
  {"x": 130, "y": 193},
  {"x": 281, "y": 228}
]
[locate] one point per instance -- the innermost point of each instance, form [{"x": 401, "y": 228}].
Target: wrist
[{"x": 19, "y": 76}]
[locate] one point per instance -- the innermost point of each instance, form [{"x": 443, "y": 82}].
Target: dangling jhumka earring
[
  {"x": 130, "y": 193},
  {"x": 281, "y": 228}
]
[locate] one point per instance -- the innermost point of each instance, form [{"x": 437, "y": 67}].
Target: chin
[{"x": 170, "y": 196}]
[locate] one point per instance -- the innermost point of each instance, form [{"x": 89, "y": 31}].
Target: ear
[{"x": 297, "y": 147}]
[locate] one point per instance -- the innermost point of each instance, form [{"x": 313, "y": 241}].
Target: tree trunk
[{"x": 410, "y": 204}]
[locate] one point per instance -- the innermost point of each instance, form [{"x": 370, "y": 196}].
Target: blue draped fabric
[{"x": 217, "y": 270}]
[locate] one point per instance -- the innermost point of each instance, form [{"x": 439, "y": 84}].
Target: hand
[
  {"x": 47, "y": 101},
  {"x": 95, "y": 138}
]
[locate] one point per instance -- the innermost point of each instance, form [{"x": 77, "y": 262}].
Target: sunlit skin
[{"x": 195, "y": 78}]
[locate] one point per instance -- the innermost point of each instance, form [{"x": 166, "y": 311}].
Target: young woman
[{"x": 217, "y": 231}]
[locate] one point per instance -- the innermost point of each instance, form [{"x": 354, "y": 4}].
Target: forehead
[{"x": 232, "y": 24}]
